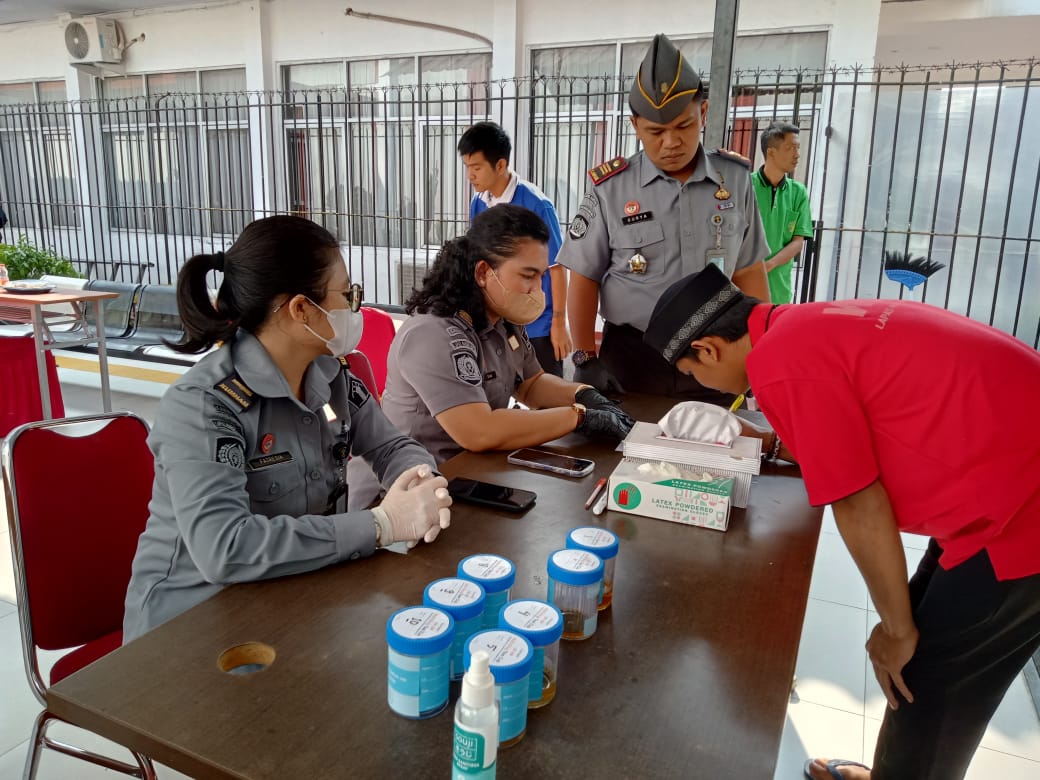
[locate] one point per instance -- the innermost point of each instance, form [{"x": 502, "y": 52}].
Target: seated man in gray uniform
[
  {"x": 464, "y": 353},
  {"x": 652, "y": 219},
  {"x": 251, "y": 444}
]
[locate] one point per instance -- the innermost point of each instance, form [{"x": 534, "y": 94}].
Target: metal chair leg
[
  {"x": 144, "y": 769},
  {"x": 36, "y": 743}
]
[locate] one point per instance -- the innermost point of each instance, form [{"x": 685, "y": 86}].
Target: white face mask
[{"x": 347, "y": 327}]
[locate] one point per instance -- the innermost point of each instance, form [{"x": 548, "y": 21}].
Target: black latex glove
[
  {"x": 594, "y": 373},
  {"x": 599, "y": 422},
  {"x": 591, "y": 398}
]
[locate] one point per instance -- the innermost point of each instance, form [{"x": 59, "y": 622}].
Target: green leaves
[{"x": 25, "y": 261}]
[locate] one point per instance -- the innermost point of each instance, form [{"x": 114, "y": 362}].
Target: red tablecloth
[{"x": 20, "y": 384}]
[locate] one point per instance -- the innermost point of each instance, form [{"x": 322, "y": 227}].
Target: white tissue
[{"x": 701, "y": 422}]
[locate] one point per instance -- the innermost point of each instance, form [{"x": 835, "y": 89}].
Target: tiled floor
[{"x": 836, "y": 710}]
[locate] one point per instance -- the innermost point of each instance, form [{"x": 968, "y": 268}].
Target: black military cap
[
  {"x": 686, "y": 310},
  {"x": 665, "y": 85}
]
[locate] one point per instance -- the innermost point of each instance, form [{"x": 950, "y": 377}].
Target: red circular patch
[
  {"x": 632, "y": 207},
  {"x": 267, "y": 443}
]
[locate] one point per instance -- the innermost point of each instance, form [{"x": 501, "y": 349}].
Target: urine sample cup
[
  {"x": 496, "y": 575},
  {"x": 419, "y": 659},
  {"x": 603, "y": 543},
  {"x": 511, "y": 656},
  {"x": 542, "y": 624},
  {"x": 464, "y": 601},
  {"x": 575, "y": 578}
]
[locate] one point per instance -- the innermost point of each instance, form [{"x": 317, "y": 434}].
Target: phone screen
[
  {"x": 512, "y": 499},
  {"x": 553, "y": 461}
]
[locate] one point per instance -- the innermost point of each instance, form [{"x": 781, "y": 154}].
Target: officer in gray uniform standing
[
  {"x": 251, "y": 444},
  {"x": 652, "y": 219}
]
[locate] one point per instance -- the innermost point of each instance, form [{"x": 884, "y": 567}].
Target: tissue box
[
  {"x": 742, "y": 461},
  {"x": 687, "y": 499}
]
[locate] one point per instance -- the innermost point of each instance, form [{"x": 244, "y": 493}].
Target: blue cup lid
[
  {"x": 494, "y": 572},
  {"x": 594, "y": 539},
  {"x": 539, "y": 621},
  {"x": 461, "y": 598},
  {"x": 420, "y": 630},
  {"x": 575, "y": 567},
  {"x": 511, "y": 654}
]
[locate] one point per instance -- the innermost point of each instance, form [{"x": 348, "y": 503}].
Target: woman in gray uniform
[
  {"x": 251, "y": 444},
  {"x": 455, "y": 363}
]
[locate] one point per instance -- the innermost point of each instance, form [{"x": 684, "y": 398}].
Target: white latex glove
[{"x": 415, "y": 507}]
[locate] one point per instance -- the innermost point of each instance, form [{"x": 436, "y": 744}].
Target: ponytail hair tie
[{"x": 218, "y": 261}]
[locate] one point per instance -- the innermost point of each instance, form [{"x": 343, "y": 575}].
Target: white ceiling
[{"x": 12, "y": 11}]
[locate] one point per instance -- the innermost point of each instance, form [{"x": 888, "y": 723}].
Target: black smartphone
[{"x": 488, "y": 494}]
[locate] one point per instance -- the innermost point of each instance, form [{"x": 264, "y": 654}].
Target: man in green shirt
[{"x": 784, "y": 205}]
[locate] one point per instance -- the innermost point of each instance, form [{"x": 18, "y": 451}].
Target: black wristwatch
[{"x": 580, "y": 357}]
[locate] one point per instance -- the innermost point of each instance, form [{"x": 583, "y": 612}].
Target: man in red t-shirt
[{"x": 904, "y": 417}]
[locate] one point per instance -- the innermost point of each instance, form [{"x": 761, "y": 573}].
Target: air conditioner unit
[{"x": 93, "y": 40}]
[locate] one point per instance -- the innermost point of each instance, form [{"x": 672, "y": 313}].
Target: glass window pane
[
  {"x": 51, "y": 91},
  {"x": 122, "y": 87},
  {"x": 317, "y": 75},
  {"x": 230, "y": 181},
  {"x": 176, "y": 183},
  {"x": 382, "y": 184},
  {"x": 127, "y": 179},
  {"x": 172, "y": 83},
  {"x": 313, "y": 89},
  {"x": 383, "y": 88},
  {"x": 447, "y": 193},
  {"x": 396, "y": 72},
  {"x": 786, "y": 51},
  {"x": 577, "y": 78},
  {"x": 563, "y": 153},
  {"x": 455, "y": 85},
  {"x": 14, "y": 94},
  {"x": 226, "y": 80},
  {"x": 317, "y": 176},
  {"x": 61, "y": 179},
  {"x": 455, "y": 68},
  {"x": 18, "y": 180}
]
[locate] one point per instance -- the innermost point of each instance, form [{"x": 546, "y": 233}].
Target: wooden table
[
  {"x": 34, "y": 304},
  {"x": 687, "y": 676}
]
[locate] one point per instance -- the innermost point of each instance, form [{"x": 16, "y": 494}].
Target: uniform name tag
[
  {"x": 642, "y": 216},
  {"x": 269, "y": 460}
]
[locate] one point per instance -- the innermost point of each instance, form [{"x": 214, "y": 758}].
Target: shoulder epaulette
[
  {"x": 604, "y": 171},
  {"x": 344, "y": 364},
  {"x": 237, "y": 390},
  {"x": 726, "y": 154}
]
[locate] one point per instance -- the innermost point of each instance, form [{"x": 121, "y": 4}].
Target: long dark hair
[
  {"x": 273, "y": 257},
  {"x": 451, "y": 284}
]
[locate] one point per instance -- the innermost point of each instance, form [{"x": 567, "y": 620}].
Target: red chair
[
  {"x": 375, "y": 342},
  {"x": 361, "y": 367},
  {"x": 73, "y": 540},
  {"x": 20, "y": 380}
]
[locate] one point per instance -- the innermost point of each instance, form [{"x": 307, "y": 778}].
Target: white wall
[{"x": 853, "y": 25}]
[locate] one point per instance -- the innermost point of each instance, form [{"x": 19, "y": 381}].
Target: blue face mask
[{"x": 347, "y": 327}]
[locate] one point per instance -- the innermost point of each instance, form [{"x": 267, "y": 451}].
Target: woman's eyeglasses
[{"x": 353, "y": 295}]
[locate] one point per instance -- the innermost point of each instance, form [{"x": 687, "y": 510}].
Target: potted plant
[{"x": 25, "y": 261}]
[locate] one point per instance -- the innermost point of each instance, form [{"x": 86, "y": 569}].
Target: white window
[
  {"x": 368, "y": 143},
  {"x": 37, "y": 156},
  {"x": 176, "y": 151}
]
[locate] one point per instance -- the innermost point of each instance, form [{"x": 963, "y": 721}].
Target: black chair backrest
[
  {"x": 157, "y": 315},
  {"x": 120, "y": 313}
]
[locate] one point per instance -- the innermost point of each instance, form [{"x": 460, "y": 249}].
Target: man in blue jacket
[{"x": 485, "y": 150}]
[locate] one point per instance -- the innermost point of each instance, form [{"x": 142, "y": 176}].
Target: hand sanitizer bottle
[{"x": 476, "y": 723}]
